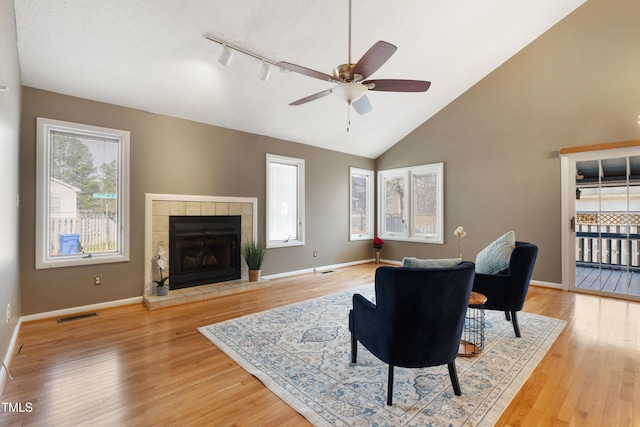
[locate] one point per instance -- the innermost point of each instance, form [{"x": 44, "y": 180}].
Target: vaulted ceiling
[{"x": 152, "y": 55}]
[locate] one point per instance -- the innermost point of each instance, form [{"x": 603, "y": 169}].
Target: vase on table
[{"x": 377, "y": 257}]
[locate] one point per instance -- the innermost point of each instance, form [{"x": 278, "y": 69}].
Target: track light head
[
  {"x": 225, "y": 55},
  {"x": 265, "y": 71}
]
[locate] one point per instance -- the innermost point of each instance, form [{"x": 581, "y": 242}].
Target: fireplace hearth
[{"x": 204, "y": 249}]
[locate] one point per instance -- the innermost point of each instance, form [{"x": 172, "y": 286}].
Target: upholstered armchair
[
  {"x": 507, "y": 291},
  {"x": 417, "y": 319}
]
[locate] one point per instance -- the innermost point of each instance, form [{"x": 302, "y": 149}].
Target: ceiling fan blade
[
  {"x": 362, "y": 105},
  {"x": 373, "y": 59},
  {"x": 307, "y": 71},
  {"x": 395, "y": 85},
  {"x": 312, "y": 97}
]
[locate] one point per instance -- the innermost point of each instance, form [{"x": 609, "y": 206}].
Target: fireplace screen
[{"x": 203, "y": 249}]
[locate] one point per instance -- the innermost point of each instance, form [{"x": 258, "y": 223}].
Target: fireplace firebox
[{"x": 203, "y": 249}]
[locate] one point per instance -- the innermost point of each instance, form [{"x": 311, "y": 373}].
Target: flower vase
[
  {"x": 162, "y": 291},
  {"x": 377, "y": 256}
]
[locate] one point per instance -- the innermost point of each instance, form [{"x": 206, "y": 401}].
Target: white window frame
[
  {"x": 409, "y": 175},
  {"x": 43, "y": 137},
  {"x": 299, "y": 239},
  {"x": 368, "y": 174}
]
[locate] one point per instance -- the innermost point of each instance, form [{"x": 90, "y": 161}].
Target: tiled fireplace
[{"x": 160, "y": 207}]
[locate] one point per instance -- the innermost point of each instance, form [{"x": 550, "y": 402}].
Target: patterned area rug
[{"x": 302, "y": 353}]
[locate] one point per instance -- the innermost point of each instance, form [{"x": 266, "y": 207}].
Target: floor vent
[
  {"x": 78, "y": 316},
  {"x": 326, "y": 272}
]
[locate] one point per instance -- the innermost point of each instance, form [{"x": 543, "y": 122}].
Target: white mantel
[{"x": 158, "y": 208}]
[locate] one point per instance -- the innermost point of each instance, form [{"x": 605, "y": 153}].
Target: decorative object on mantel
[
  {"x": 459, "y": 231},
  {"x": 253, "y": 253},
  {"x": 377, "y": 245},
  {"x": 162, "y": 288}
]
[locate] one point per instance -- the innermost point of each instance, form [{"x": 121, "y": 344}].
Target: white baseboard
[
  {"x": 135, "y": 300},
  {"x": 8, "y": 357},
  {"x": 74, "y": 310},
  {"x": 319, "y": 269},
  {"x": 547, "y": 284}
]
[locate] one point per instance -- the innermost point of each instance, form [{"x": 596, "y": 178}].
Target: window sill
[
  {"x": 272, "y": 245},
  {"x": 432, "y": 240}
]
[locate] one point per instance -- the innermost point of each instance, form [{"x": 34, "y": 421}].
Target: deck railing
[{"x": 608, "y": 240}]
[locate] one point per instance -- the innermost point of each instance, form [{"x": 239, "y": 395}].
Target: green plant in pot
[
  {"x": 253, "y": 253},
  {"x": 162, "y": 287}
]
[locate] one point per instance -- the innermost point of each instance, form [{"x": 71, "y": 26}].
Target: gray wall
[
  {"x": 576, "y": 85},
  {"x": 9, "y": 143},
  {"x": 174, "y": 156}
]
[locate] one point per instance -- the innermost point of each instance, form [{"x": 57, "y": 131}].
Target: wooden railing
[{"x": 608, "y": 240}]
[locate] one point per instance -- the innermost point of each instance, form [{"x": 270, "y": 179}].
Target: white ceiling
[{"x": 152, "y": 55}]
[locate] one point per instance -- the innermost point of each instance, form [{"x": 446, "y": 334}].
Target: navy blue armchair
[
  {"x": 507, "y": 291},
  {"x": 417, "y": 320}
]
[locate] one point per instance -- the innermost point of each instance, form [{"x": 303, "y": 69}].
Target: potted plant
[
  {"x": 162, "y": 287},
  {"x": 253, "y": 254}
]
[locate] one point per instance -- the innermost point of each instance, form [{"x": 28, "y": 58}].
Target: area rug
[{"x": 302, "y": 353}]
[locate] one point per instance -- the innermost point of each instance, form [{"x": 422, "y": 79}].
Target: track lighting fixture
[
  {"x": 227, "y": 54},
  {"x": 265, "y": 71}
]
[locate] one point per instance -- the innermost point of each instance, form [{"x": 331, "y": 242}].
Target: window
[
  {"x": 82, "y": 205},
  {"x": 411, "y": 203},
  {"x": 285, "y": 201},
  {"x": 361, "y": 204}
]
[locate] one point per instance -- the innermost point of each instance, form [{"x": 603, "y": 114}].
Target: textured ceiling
[{"x": 152, "y": 55}]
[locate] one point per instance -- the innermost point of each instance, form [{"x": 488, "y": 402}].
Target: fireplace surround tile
[
  {"x": 193, "y": 209},
  {"x": 203, "y": 292},
  {"x": 158, "y": 208}
]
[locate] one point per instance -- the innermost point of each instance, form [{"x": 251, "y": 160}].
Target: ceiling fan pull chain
[{"x": 348, "y": 116}]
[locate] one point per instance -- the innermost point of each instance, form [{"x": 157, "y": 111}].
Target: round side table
[{"x": 472, "y": 341}]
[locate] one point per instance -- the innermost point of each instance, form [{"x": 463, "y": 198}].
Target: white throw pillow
[
  {"x": 495, "y": 258},
  {"x": 412, "y": 262}
]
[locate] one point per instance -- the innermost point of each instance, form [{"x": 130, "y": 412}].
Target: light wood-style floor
[{"x": 131, "y": 367}]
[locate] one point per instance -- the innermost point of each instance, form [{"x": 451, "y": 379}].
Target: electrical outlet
[
  {"x": 315, "y": 254},
  {"x": 97, "y": 279},
  {"x": 8, "y": 312}
]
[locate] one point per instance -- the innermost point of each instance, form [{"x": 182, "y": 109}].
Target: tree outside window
[{"x": 82, "y": 214}]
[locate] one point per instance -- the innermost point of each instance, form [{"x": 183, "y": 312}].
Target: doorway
[{"x": 601, "y": 198}]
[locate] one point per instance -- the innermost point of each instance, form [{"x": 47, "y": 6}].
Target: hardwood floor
[{"x": 129, "y": 366}]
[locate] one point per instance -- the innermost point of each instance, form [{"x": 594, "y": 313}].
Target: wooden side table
[{"x": 472, "y": 341}]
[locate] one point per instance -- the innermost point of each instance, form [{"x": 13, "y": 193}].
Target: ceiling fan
[{"x": 352, "y": 78}]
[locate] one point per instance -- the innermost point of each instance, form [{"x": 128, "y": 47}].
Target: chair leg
[
  {"x": 354, "y": 348},
  {"x": 390, "y": 387},
  {"x": 507, "y": 315},
  {"x": 516, "y": 327},
  {"x": 454, "y": 378}
]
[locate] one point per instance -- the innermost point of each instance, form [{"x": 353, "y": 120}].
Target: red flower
[{"x": 377, "y": 243}]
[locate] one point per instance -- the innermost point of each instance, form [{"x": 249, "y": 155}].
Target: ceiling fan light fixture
[
  {"x": 225, "y": 55},
  {"x": 349, "y": 92}
]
